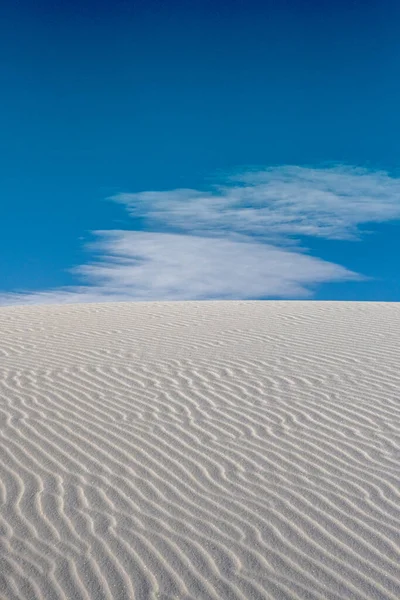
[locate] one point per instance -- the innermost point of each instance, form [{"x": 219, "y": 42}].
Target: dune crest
[{"x": 200, "y": 450}]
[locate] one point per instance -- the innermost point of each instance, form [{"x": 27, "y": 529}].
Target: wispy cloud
[
  {"x": 241, "y": 239},
  {"x": 279, "y": 203}
]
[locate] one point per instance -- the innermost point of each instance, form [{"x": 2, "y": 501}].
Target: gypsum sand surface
[{"x": 200, "y": 450}]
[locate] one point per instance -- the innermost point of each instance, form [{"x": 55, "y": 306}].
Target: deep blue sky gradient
[{"x": 103, "y": 97}]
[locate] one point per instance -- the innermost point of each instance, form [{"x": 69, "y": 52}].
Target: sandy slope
[{"x": 218, "y": 450}]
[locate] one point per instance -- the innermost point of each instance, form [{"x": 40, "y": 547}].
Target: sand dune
[{"x": 200, "y": 450}]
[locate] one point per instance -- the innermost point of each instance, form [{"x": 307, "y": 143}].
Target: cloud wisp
[
  {"x": 278, "y": 204},
  {"x": 243, "y": 239}
]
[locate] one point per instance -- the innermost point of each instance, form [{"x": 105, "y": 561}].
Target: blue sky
[{"x": 204, "y": 149}]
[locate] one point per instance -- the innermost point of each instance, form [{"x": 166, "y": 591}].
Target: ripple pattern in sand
[{"x": 240, "y": 450}]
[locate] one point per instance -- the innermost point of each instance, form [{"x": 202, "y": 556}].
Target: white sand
[{"x": 199, "y": 450}]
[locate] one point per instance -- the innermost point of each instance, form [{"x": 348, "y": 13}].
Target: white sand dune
[{"x": 200, "y": 450}]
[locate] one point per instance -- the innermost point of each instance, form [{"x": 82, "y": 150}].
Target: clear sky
[{"x": 199, "y": 149}]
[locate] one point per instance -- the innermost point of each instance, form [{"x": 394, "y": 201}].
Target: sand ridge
[{"x": 200, "y": 450}]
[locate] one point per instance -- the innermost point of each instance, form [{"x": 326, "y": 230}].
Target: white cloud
[
  {"x": 277, "y": 203},
  {"x": 160, "y": 266},
  {"x": 239, "y": 240}
]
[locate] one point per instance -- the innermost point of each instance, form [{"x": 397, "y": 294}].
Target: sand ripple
[{"x": 214, "y": 450}]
